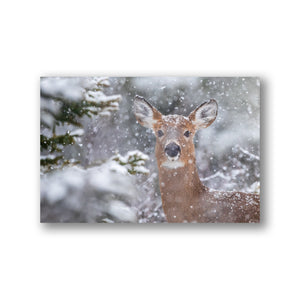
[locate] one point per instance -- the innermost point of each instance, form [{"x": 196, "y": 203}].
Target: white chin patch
[
  {"x": 172, "y": 164},
  {"x": 173, "y": 158}
]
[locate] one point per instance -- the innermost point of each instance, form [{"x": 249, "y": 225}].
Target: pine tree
[
  {"x": 64, "y": 101},
  {"x": 101, "y": 192}
]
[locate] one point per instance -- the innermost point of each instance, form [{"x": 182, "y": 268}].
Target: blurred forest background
[{"x": 97, "y": 163}]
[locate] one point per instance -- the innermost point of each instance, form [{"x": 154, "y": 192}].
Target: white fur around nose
[
  {"x": 173, "y": 158},
  {"x": 172, "y": 164}
]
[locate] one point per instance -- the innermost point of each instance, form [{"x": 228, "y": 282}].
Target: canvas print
[{"x": 150, "y": 149}]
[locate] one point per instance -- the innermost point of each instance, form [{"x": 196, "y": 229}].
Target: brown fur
[{"x": 184, "y": 197}]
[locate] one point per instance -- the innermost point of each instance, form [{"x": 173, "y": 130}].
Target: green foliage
[
  {"x": 133, "y": 161},
  {"x": 59, "y": 108},
  {"x": 56, "y": 143},
  {"x": 71, "y": 112}
]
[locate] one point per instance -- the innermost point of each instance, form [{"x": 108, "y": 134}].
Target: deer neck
[{"x": 180, "y": 185}]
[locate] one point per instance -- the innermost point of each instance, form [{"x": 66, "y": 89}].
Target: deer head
[
  {"x": 184, "y": 197},
  {"x": 174, "y": 133}
]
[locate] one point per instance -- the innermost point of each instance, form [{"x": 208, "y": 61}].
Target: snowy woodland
[{"x": 97, "y": 163}]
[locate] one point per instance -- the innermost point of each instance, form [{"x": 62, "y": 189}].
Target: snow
[
  {"x": 138, "y": 154},
  {"x": 77, "y": 132},
  {"x": 121, "y": 212},
  {"x": 133, "y": 161},
  {"x": 84, "y": 190},
  {"x": 99, "y": 96},
  {"x": 175, "y": 119},
  {"x": 92, "y": 83},
  {"x": 48, "y": 156},
  {"x": 227, "y": 152},
  {"x": 48, "y": 120},
  {"x": 105, "y": 113},
  {"x": 115, "y": 167},
  {"x": 62, "y": 87},
  {"x": 55, "y": 191},
  {"x": 252, "y": 156},
  {"x": 141, "y": 169}
]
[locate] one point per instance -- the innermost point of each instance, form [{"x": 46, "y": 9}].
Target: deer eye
[
  {"x": 160, "y": 133},
  {"x": 187, "y": 133}
]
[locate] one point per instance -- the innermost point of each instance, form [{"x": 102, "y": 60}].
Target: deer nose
[{"x": 172, "y": 149}]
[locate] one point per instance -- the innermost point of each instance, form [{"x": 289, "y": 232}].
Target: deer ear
[
  {"x": 145, "y": 113},
  {"x": 204, "y": 114}
]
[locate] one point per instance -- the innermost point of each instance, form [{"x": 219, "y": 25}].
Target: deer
[{"x": 184, "y": 197}]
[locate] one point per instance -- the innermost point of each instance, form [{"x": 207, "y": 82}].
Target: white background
[{"x": 198, "y": 38}]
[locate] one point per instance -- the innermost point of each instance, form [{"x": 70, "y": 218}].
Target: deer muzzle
[{"x": 172, "y": 150}]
